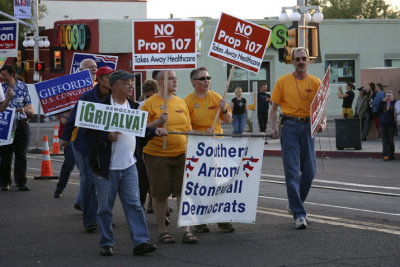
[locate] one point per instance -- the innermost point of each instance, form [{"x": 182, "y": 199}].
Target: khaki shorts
[{"x": 165, "y": 175}]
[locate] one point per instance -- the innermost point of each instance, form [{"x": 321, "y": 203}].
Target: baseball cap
[
  {"x": 361, "y": 89},
  {"x": 120, "y": 75},
  {"x": 103, "y": 71}
]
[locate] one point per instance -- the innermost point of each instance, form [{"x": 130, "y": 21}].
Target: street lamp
[{"x": 301, "y": 14}]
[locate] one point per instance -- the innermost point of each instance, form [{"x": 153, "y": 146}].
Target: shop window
[
  {"x": 392, "y": 63},
  {"x": 342, "y": 71},
  {"x": 240, "y": 77}
]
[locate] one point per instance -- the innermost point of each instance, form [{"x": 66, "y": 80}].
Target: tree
[{"x": 356, "y": 9}]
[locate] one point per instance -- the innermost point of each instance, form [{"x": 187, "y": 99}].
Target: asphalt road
[{"x": 353, "y": 206}]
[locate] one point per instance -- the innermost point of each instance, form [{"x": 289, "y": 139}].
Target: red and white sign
[
  {"x": 318, "y": 105},
  {"x": 239, "y": 42},
  {"x": 164, "y": 44}
]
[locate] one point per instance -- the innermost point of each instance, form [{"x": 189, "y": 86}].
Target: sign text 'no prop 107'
[
  {"x": 164, "y": 44},
  {"x": 239, "y": 42}
]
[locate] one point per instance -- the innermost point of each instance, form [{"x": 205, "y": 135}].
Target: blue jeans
[
  {"x": 239, "y": 122},
  {"x": 126, "y": 184},
  {"x": 299, "y": 163},
  {"x": 66, "y": 169},
  {"x": 87, "y": 190}
]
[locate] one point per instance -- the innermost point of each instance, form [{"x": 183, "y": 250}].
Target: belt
[{"x": 300, "y": 119}]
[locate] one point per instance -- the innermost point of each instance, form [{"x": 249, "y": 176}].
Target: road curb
[{"x": 336, "y": 154}]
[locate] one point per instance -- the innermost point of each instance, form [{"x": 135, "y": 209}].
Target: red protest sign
[
  {"x": 239, "y": 42},
  {"x": 164, "y": 44},
  {"x": 318, "y": 105}
]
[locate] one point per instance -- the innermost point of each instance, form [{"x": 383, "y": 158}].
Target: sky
[{"x": 245, "y": 9}]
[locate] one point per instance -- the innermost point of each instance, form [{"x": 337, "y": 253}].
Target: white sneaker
[
  {"x": 289, "y": 210},
  {"x": 301, "y": 223}
]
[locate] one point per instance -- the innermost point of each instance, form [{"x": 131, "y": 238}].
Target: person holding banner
[
  {"x": 113, "y": 155},
  {"x": 294, "y": 93},
  {"x": 17, "y": 96},
  {"x": 165, "y": 167},
  {"x": 82, "y": 150},
  {"x": 203, "y": 106},
  {"x": 89, "y": 64}
]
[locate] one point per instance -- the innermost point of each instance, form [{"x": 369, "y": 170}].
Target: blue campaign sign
[
  {"x": 62, "y": 93},
  {"x": 101, "y": 61},
  {"x": 8, "y": 39},
  {"x": 6, "y": 123}
]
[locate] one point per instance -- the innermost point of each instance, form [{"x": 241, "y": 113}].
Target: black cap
[{"x": 120, "y": 75}]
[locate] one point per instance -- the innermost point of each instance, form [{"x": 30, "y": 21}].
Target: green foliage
[{"x": 356, "y": 9}]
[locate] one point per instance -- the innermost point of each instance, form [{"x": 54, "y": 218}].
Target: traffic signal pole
[
  {"x": 302, "y": 24},
  {"x": 35, "y": 21}
]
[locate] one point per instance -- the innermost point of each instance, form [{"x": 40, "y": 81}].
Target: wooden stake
[
  {"x": 223, "y": 97},
  {"x": 165, "y": 104}
]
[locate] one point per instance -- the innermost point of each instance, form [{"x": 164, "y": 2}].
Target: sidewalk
[{"x": 325, "y": 145}]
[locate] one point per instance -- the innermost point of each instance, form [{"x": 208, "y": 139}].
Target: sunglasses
[
  {"x": 203, "y": 78},
  {"x": 302, "y": 58}
]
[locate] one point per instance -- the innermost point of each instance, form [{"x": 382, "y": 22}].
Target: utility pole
[{"x": 35, "y": 22}]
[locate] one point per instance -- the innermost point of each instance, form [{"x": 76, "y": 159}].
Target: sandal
[
  {"x": 166, "y": 238},
  {"x": 189, "y": 238}
]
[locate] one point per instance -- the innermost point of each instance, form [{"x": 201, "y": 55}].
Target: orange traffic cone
[
  {"x": 47, "y": 172},
  {"x": 56, "y": 143}
]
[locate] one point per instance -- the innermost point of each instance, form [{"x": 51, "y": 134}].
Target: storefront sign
[
  {"x": 319, "y": 103},
  {"x": 8, "y": 39},
  {"x": 221, "y": 180},
  {"x": 101, "y": 61},
  {"x": 239, "y": 42},
  {"x": 110, "y": 118},
  {"x": 166, "y": 44},
  {"x": 62, "y": 93},
  {"x": 72, "y": 36}
]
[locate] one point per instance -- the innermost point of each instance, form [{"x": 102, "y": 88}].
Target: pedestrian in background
[
  {"x": 397, "y": 117},
  {"x": 16, "y": 96},
  {"x": 387, "y": 124},
  {"x": 239, "y": 112},
  {"x": 294, "y": 93},
  {"x": 263, "y": 102},
  {"x": 369, "y": 91},
  {"x": 348, "y": 97},
  {"x": 379, "y": 95},
  {"x": 362, "y": 107}
]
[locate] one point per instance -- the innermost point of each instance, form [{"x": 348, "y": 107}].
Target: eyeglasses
[
  {"x": 203, "y": 78},
  {"x": 302, "y": 58}
]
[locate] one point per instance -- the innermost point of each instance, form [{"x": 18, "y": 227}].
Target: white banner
[
  {"x": 110, "y": 118},
  {"x": 221, "y": 180}
]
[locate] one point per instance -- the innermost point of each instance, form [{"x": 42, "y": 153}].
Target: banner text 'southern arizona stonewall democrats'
[
  {"x": 62, "y": 93},
  {"x": 221, "y": 180},
  {"x": 110, "y": 118}
]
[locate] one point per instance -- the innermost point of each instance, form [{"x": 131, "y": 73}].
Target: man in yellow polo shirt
[
  {"x": 294, "y": 93},
  {"x": 203, "y": 105}
]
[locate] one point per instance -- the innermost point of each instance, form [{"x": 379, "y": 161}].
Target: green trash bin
[{"x": 348, "y": 133}]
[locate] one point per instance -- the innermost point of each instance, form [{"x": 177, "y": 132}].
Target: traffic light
[
  {"x": 285, "y": 53},
  {"x": 313, "y": 42},
  {"x": 57, "y": 60},
  {"x": 39, "y": 66},
  {"x": 19, "y": 61}
]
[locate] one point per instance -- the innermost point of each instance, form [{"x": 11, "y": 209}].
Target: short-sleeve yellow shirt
[
  {"x": 295, "y": 96},
  {"x": 203, "y": 110},
  {"x": 178, "y": 121}
]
